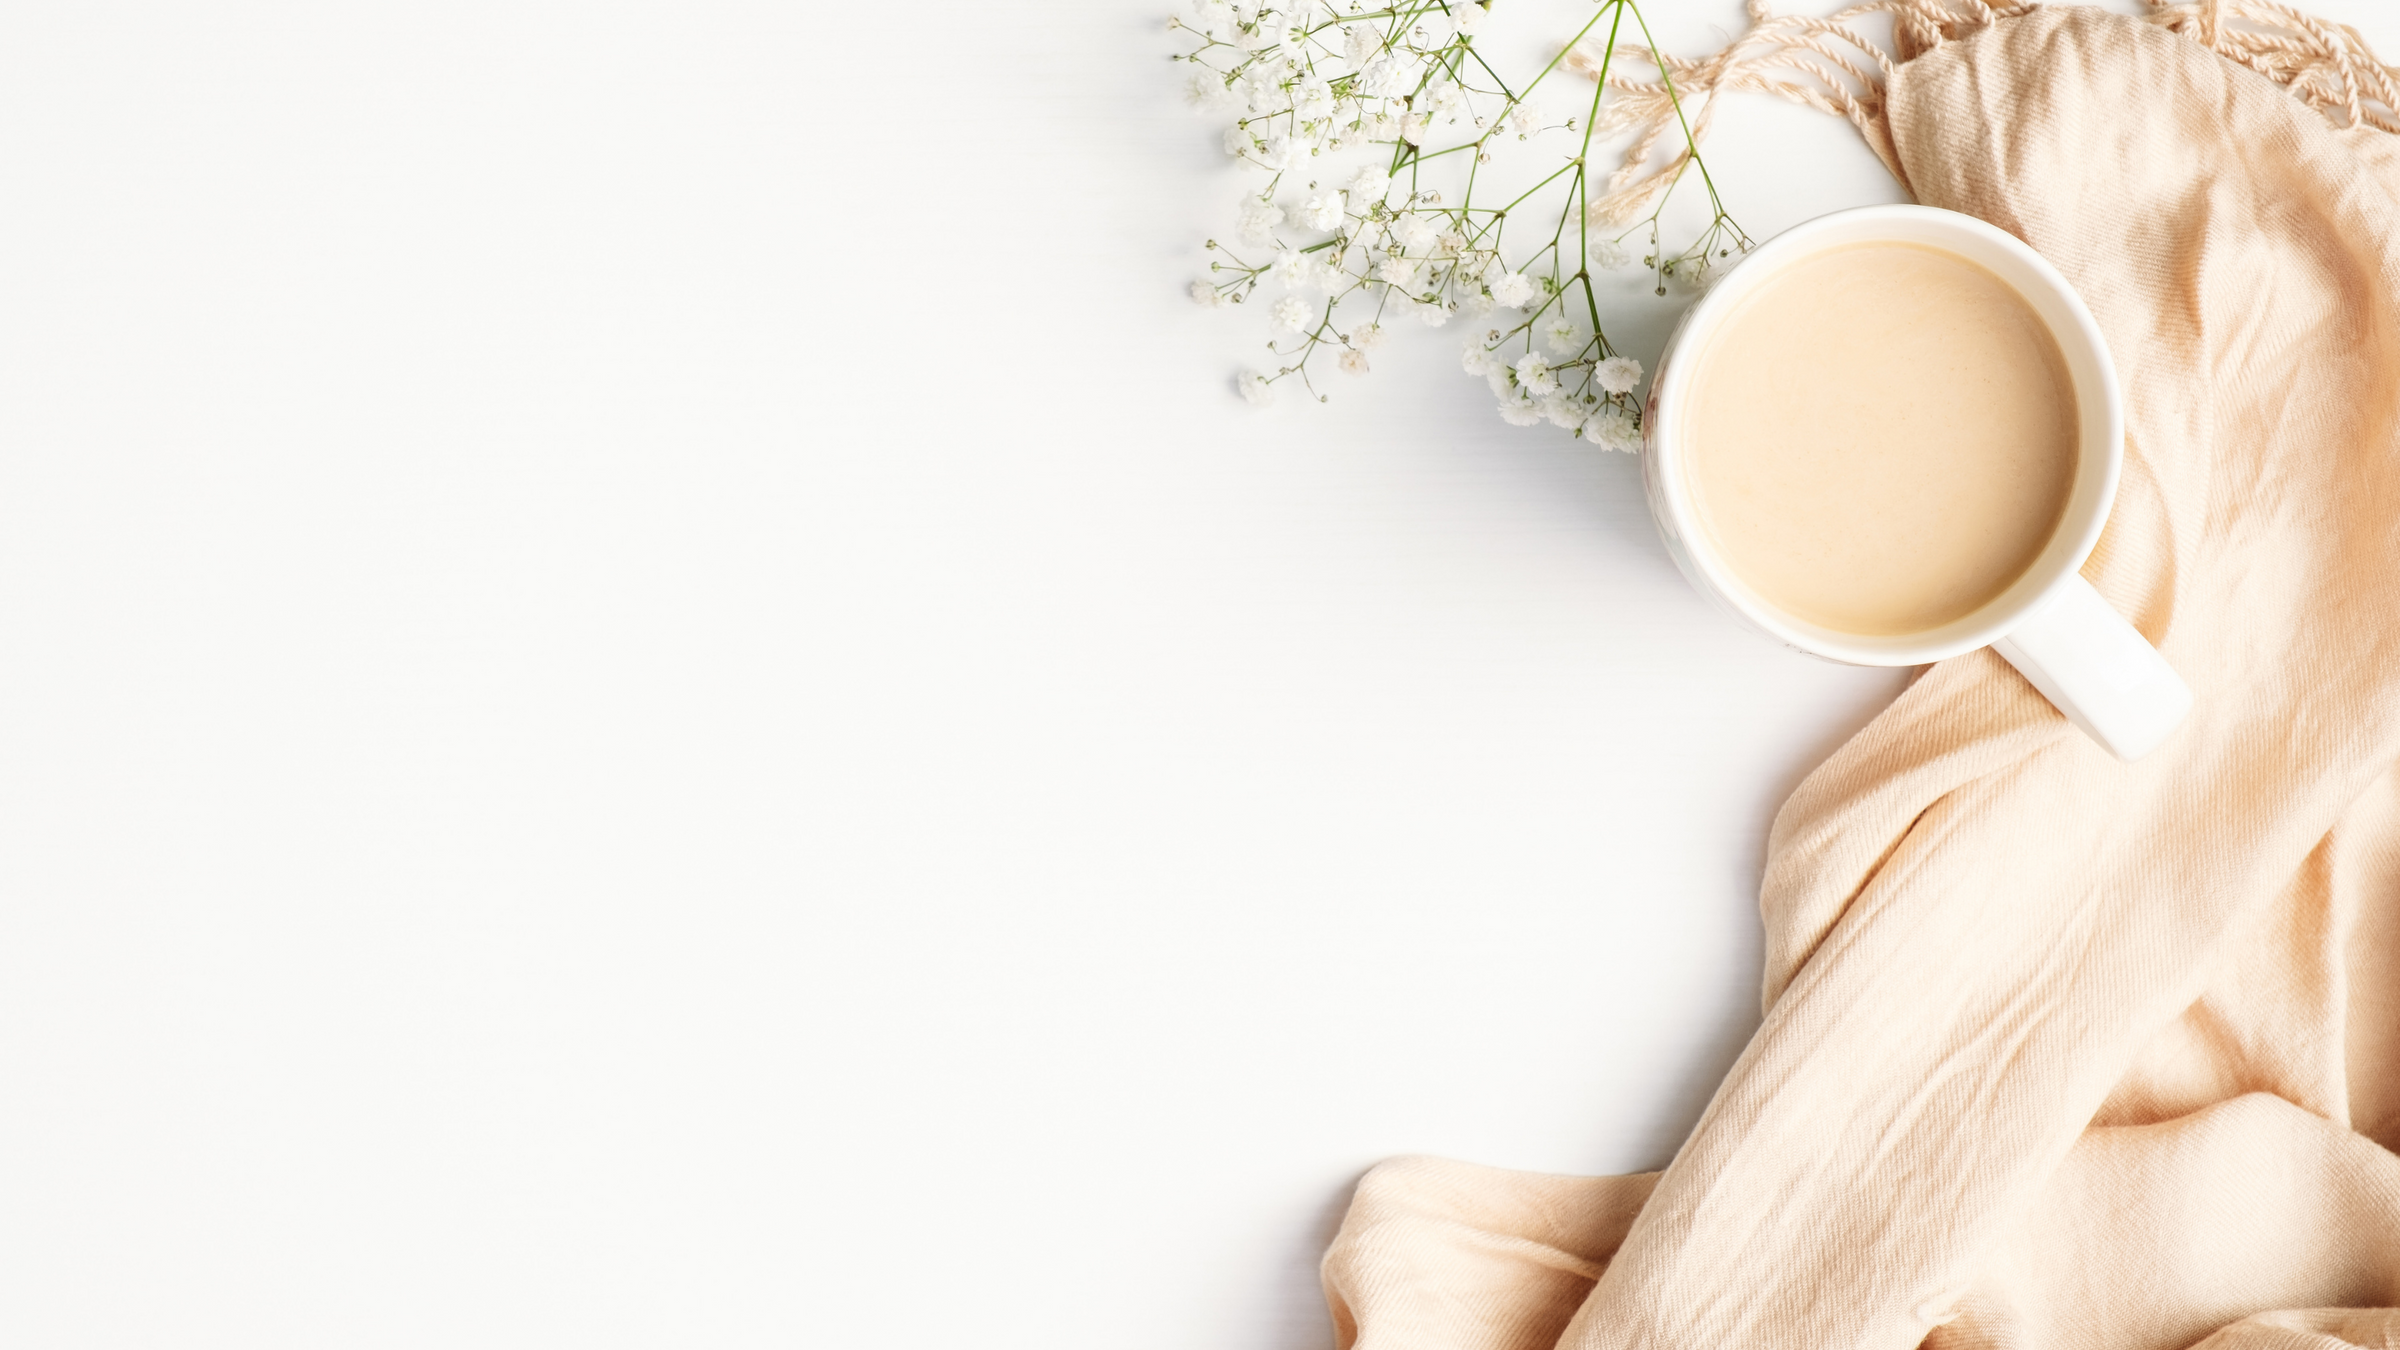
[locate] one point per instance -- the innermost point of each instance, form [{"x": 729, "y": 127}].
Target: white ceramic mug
[{"x": 2050, "y": 624}]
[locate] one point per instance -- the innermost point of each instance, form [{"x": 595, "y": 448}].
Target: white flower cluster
[{"x": 1353, "y": 111}]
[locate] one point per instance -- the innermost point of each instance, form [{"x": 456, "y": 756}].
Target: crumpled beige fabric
[{"x": 2061, "y": 1052}]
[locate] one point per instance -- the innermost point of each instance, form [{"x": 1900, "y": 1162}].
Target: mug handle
[{"x": 2099, "y": 670}]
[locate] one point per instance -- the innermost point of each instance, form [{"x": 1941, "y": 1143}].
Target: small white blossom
[
  {"x": 1562, "y": 411},
  {"x": 1518, "y": 413},
  {"x": 1367, "y": 336},
  {"x": 1283, "y": 153},
  {"x": 1449, "y": 243},
  {"x": 1215, "y": 17},
  {"x": 1292, "y": 313},
  {"x": 1261, "y": 90},
  {"x": 1292, "y": 268},
  {"x": 1609, "y": 255},
  {"x": 1564, "y": 338},
  {"x": 1414, "y": 231},
  {"x": 1444, "y": 99},
  {"x": 1387, "y": 76},
  {"x": 1513, "y": 289},
  {"x": 1496, "y": 379},
  {"x": 1313, "y": 99},
  {"x": 1618, "y": 374},
  {"x": 1258, "y": 220},
  {"x": 1476, "y": 360},
  {"x": 1205, "y": 90},
  {"x": 1360, "y": 43},
  {"x": 1368, "y": 185},
  {"x": 1468, "y": 17},
  {"x": 1322, "y": 211},
  {"x": 1533, "y": 375},
  {"x": 1255, "y": 388},
  {"x": 1205, "y": 295},
  {"x": 1399, "y": 272},
  {"x": 1524, "y": 119},
  {"x": 1415, "y": 127},
  {"x": 1354, "y": 362},
  {"x": 1611, "y": 428},
  {"x": 1433, "y": 316}
]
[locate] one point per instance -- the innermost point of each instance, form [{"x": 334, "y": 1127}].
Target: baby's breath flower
[
  {"x": 1443, "y": 98},
  {"x": 1533, "y": 375},
  {"x": 1205, "y": 91},
  {"x": 1618, "y": 374},
  {"x": 1387, "y": 76},
  {"x": 1215, "y": 18},
  {"x": 1255, "y": 388},
  {"x": 1261, "y": 89},
  {"x": 1610, "y": 427},
  {"x": 1312, "y": 99},
  {"x": 1308, "y": 83},
  {"x": 1259, "y": 219},
  {"x": 1283, "y": 152}
]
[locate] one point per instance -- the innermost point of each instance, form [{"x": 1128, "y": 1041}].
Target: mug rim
[{"x": 2099, "y": 444}]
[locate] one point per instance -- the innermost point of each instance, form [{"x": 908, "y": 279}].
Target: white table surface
[{"x": 655, "y": 695}]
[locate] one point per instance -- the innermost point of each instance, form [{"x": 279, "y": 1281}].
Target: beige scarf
[{"x": 2060, "y": 1052}]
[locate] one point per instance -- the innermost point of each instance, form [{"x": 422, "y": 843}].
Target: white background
[{"x": 652, "y": 693}]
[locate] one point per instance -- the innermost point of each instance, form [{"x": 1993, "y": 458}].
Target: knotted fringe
[{"x": 1836, "y": 66}]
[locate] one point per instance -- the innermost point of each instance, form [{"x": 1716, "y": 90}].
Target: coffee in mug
[{"x": 1882, "y": 438}]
